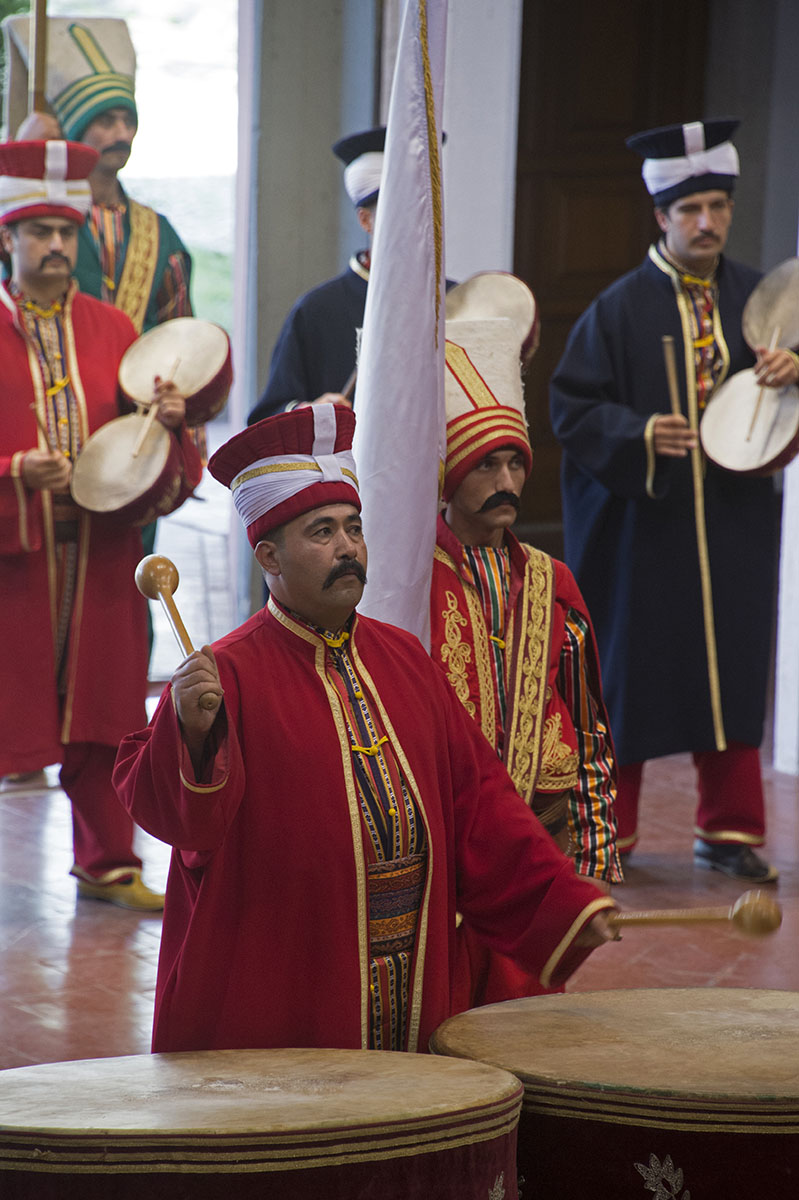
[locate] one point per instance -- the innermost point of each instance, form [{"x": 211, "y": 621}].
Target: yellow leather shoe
[{"x": 126, "y": 891}]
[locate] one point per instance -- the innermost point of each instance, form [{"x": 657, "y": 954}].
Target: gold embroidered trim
[
  {"x": 455, "y": 653},
  {"x": 559, "y": 763},
  {"x": 579, "y": 922},
  {"x": 651, "y": 457},
  {"x": 202, "y": 789},
  {"x": 358, "y": 268},
  {"x": 465, "y": 372},
  {"x": 273, "y": 468},
  {"x": 479, "y": 640},
  {"x": 22, "y": 498},
  {"x": 728, "y": 835},
  {"x": 138, "y": 271},
  {"x": 354, "y": 809},
  {"x": 415, "y": 998},
  {"x": 84, "y": 526},
  {"x": 527, "y": 684},
  {"x": 487, "y": 437},
  {"x": 697, "y": 470}
]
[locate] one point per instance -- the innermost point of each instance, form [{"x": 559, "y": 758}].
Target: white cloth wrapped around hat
[
  {"x": 362, "y": 176},
  {"x": 662, "y": 173},
  {"x": 270, "y": 481},
  {"x": 33, "y": 179}
]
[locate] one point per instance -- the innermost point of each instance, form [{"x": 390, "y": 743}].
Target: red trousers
[
  {"x": 102, "y": 831},
  {"x": 730, "y": 808}
]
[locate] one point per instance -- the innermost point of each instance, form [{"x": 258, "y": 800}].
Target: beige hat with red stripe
[{"x": 483, "y": 383}]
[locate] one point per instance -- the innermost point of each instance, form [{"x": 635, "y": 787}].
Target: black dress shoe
[{"x": 734, "y": 859}]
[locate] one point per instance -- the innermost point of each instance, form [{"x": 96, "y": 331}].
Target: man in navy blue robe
[
  {"x": 675, "y": 556},
  {"x": 314, "y": 356}
]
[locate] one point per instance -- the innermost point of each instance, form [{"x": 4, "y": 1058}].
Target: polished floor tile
[{"x": 77, "y": 977}]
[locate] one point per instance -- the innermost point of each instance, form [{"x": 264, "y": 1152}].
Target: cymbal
[{"x": 774, "y": 305}]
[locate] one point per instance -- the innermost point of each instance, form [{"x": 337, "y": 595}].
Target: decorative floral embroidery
[
  {"x": 665, "y": 1180},
  {"x": 523, "y": 756},
  {"x": 558, "y": 761},
  {"x": 497, "y": 1192},
  {"x": 455, "y": 652}
]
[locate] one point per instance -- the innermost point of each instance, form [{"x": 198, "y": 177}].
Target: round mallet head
[
  {"x": 756, "y": 914},
  {"x": 156, "y": 574}
]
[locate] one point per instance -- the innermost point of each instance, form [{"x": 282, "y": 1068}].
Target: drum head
[
  {"x": 187, "y": 350},
  {"x": 497, "y": 294},
  {"x": 107, "y": 477},
  {"x": 734, "y": 438},
  {"x": 774, "y": 306}
]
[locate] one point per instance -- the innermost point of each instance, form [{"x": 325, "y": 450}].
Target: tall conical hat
[{"x": 91, "y": 67}]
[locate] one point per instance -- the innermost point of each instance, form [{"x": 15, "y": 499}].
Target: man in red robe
[
  {"x": 74, "y": 642},
  {"x": 511, "y": 632},
  {"x": 339, "y": 805}
]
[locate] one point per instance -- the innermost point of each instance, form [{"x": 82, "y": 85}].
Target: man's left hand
[
  {"x": 171, "y": 403},
  {"x": 776, "y": 368}
]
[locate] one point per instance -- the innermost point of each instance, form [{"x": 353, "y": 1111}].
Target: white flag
[{"x": 400, "y": 439}]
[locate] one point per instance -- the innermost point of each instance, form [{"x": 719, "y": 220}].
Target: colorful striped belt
[{"x": 395, "y": 897}]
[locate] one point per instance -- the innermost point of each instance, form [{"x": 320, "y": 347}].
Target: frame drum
[
  {"x": 730, "y": 416},
  {"x": 194, "y": 354},
  {"x": 294, "y": 1124},
  {"x": 676, "y": 1091},
  {"x": 497, "y": 294},
  {"x": 109, "y": 481}
]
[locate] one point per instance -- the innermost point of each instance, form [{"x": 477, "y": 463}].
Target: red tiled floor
[{"x": 77, "y": 977}]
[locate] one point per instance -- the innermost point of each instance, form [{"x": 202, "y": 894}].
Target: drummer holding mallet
[
  {"x": 74, "y": 632},
  {"x": 674, "y": 555}
]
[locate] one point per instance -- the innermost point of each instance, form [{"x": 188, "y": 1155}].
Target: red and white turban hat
[
  {"x": 45, "y": 179},
  {"x": 287, "y": 465},
  {"x": 492, "y": 327}
]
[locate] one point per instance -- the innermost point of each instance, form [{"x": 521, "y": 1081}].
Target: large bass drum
[
  {"x": 668, "y": 1091},
  {"x": 110, "y": 481},
  {"x": 250, "y": 1124},
  {"x": 193, "y": 354},
  {"x": 751, "y": 429}
]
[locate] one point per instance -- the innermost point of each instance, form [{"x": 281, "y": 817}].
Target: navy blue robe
[
  {"x": 635, "y": 557},
  {"x": 315, "y": 351}
]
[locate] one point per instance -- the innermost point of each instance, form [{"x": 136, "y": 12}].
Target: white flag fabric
[{"x": 400, "y": 439}]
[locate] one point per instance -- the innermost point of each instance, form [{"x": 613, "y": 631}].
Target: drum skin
[
  {"x": 108, "y": 481},
  {"x": 497, "y": 294},
  {"x": 192, "y": 353},
  {"x": 293, "y": 1124},
  {"x": 751, "y": 429},
  {"x": 677, "y": 1091}
]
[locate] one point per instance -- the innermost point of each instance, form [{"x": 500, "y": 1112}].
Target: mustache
[
  {"x": 116, "y": 146},
  {"x": 350, "y": 566},
  {"x": 56, "y": 258},
  {"x": 498, "y": 498}
]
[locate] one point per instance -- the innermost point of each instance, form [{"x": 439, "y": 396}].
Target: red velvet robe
[
  {"x": 538, "y": 736},
  {"x": 265, "y": 937},
  {"x": 108, "y": 651}
]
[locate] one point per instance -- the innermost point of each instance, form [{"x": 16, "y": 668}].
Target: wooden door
[{"x": 592, "y": 73}]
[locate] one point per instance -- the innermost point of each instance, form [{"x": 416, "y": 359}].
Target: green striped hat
[{"x": 91, "y": 67}]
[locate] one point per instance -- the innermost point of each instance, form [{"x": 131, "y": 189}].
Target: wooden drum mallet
[
  {"x": 157, "y": 578},
  {"x": 754, "y": 913}
]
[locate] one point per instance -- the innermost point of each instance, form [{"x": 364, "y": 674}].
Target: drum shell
[
  {"x": 298, "y": 1124},
  {"x": 733, "y": 437},
  {"x": 195, "y": 354},
  {"x": 626, "y": 1089},
  {"x": 110, "y": 449}
]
